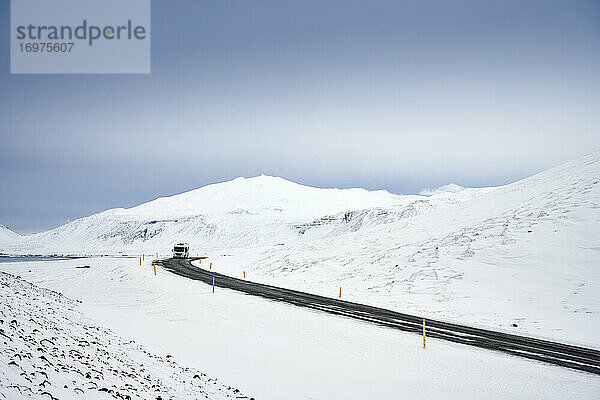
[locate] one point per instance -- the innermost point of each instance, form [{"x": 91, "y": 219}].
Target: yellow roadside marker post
[
  {"x": 154, "y": 269},
  {"x": 244, "y": 274},
  {"x": 423, "y": 332},
  {"x": 340, "y": 292},
  {"x": 213, "y": 284},
  {"x": 143, "y": 259},
  {"x": 210, "y": 266},
  {"x": 140, "y": 261}
]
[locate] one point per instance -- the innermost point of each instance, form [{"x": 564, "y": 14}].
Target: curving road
[{"x": 575, "y": 357}]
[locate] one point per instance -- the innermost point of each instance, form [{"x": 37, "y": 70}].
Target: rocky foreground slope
[{"x": 49, "y": 351}]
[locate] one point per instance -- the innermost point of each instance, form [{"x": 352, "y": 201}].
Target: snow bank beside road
[{"x": 49, "y": 350}]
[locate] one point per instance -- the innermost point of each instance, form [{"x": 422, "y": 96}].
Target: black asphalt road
[{"x": 575, "y": 357}]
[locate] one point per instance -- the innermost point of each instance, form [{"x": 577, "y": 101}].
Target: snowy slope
[
  {"x": 6, "y": 235},
  {"x": 50, "y": 350},
  {"x": 525, "y": 254},
  {"x": 243, "y": 212}
]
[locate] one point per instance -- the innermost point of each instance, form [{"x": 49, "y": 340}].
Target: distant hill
[{"x": 243, "y": 212}]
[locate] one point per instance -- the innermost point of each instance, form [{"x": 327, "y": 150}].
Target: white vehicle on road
[{"x": 181, "y": 250}]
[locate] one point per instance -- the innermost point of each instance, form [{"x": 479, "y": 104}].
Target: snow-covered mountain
[
  {"x": 244, "y": 212},
  {"x": 524, "y": 257},
  {"x": 6, "y": 235}
]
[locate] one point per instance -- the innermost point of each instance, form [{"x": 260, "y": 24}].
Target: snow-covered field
[
  {"x": 50, "y": 350},
  {"x": 266, "y": 349}
]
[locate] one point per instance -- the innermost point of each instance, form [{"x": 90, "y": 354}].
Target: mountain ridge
[{"x": 242, "y": 212}]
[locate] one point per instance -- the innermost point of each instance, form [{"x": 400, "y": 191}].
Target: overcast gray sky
[{"x": 397, "y": 95}]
